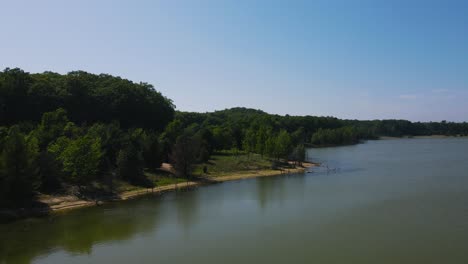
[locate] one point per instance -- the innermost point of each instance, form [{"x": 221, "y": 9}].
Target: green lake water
[{"x": 387, "y": 201}]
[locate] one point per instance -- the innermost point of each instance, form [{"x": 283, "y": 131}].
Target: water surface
[{"x": 387, "y": 201}]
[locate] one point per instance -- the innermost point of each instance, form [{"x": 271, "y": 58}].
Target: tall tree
[
  {"x": 152, "y": 151},
  {"x": 184, "y": 155},
  {"x": 283, "y": 144},
  {"x": 250, "y": 138},
  {"x": 52, "y": 126},
  {"x": 130, "y": 164},
  {"x": 14, "y": 87},
  {"x": 298, "y": 154},
  {"x": 18, "y": 166},
  {"x": 80, "y": 158},
  {"x": 262, "y": 136}
]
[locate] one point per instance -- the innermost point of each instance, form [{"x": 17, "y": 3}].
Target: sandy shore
[
  {"x": 62, "y": 203},
  {"x": 261, "y": 173}
]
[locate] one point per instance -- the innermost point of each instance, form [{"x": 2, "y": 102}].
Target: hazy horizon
[{"x": 361, "y": 61}]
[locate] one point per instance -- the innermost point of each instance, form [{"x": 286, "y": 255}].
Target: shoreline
[
  {"x": 58, "y": 204},
  {"x": 262, "y": 173},
  {"x": 180, "y": 186},
  {"x": 422, "y": 137}
]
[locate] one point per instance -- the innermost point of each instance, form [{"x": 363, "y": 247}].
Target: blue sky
[{"x": 350, "y": 59}]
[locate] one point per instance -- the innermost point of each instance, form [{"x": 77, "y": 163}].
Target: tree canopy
[{"x": 87, "y": 97}]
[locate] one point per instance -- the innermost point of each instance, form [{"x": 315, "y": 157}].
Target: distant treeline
[
  {"x": 233, "y": 126},
  {"x": 62, "y": 132}
]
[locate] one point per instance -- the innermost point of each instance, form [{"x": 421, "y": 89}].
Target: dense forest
[{"x": 63, "y": 131}]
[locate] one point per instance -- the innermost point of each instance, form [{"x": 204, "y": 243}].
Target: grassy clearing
[
  {"x": 225, "y": 163},
  {"x": 160, "y": 178}
]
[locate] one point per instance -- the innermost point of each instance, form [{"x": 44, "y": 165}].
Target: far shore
[
  {"x": 56, "y": 204},
  {"x": 421, "y": 137}
]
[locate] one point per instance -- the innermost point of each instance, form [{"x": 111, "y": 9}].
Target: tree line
[
  {"x": 57, "y": 154},
  {"x": 68, "y": 131}
]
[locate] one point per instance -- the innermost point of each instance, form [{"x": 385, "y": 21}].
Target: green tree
[
  {"x": 223, "y": 139},
  {"x": 19, "y": 177},
  {"x": 298, "y": 137},
  {"x": 50, "y": 171},
  {"x": 338, "y": 136},
  {"x": 52, "y": 126},
  {"x": 152, "y": 151},
  {"x": 113, "y": 139},
  {"x": 130, "y": 164},
  {"x": 298, "y": 154},
  {"x": 283, "y": 144},
  {"x": 80, "y": 158},
  {"x": 270, "y": 146},
  {"x": 262, "y": 136},
  {"x": 14, "y": 86},
  {"x": 184, "y": 154},
  {"x": 249, "y": 143}
]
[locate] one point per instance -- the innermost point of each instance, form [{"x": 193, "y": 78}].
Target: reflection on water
[
  {"x": 275, "y": 190},
  {"x": 389, "y": 201},
  {"x": 187, "y": 212},
  {"x": 75, "y": 232}
]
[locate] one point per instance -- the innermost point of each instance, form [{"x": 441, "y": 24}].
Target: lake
[{"x": 385, "y": 201}]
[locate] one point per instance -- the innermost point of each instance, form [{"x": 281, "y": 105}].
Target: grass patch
[
  {"x": 123, "y": 186},
  {"x": 160, "y": 178},
  {"x": 228, "y": 162}
]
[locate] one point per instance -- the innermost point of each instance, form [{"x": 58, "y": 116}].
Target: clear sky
[{"x": 350, "y": 59}]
